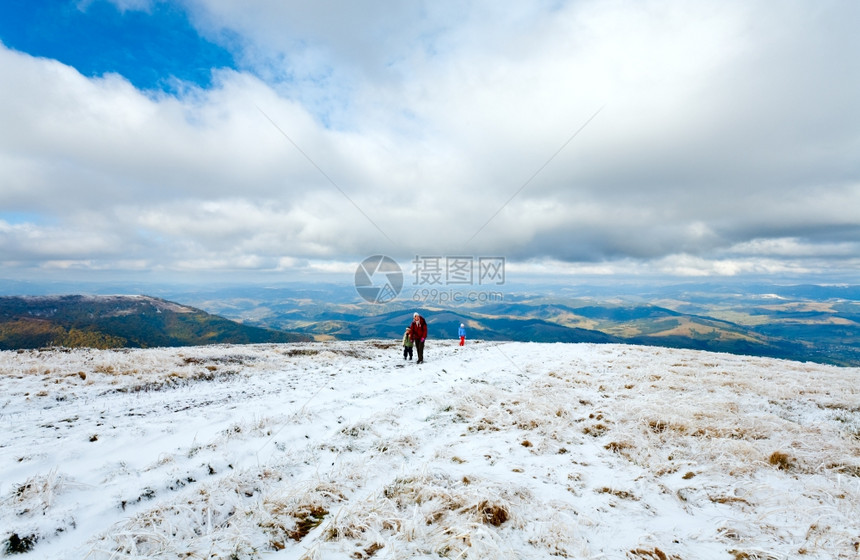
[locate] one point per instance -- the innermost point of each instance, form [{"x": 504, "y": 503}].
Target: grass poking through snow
[{"x": 332, "y": 451}]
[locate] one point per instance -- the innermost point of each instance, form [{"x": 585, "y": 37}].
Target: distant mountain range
[
  {"x": 802, "y": 323},
  {"x": 639, "y": 324},
  {"x": 119, "y": 321}
]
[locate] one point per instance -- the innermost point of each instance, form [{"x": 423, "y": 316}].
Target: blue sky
[
  {"x": 150, "y": 48},
  {"x": 579, "y": 139}
]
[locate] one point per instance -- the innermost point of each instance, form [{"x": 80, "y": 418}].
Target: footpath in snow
[{"x": 496, "y": 450}]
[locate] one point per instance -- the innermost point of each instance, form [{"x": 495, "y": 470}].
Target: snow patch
[{"x": 343, "y": 450}]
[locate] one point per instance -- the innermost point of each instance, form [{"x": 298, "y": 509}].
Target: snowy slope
[{"x": 341, "y": 451}]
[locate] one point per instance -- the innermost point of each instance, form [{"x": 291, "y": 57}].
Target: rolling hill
[{"x": 117, "y": 322}]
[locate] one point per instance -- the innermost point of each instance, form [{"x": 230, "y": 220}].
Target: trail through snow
[{"x": 493, "y": 450}]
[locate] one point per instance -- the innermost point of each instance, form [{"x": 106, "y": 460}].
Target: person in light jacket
[{"x": 462, "y": 334}]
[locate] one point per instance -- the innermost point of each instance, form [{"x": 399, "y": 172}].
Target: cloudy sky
[{"x": 276, "y": 138}]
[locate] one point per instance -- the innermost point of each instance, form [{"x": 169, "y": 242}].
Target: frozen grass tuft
[
  {"x": 430, "y": 513},
  {"x": 37, "y": 494},
  {"x": 650, "y": 554},
  {"x": 242, "y": 515},
  {"x": 780, "y": 460}
]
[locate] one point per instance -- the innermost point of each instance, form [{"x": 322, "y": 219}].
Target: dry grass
[
  {"x": 307, "y": 517},
  {"x": 543, "y": 462},
  {"x": 623, "y": 494},
  {"x": 752, "y": 555},
  {"x": 780, "y": 460},
  {"x": 651, "y": 554},
  {"x": 415, "y": 510}
]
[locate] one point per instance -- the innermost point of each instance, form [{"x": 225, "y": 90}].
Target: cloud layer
[{"x": 726, "y": 142}]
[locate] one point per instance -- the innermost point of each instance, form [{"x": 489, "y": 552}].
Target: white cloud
[
  {"x": 122, "y": 5},
  {"x": 727, "y": 145},
  {"x": 28, "y": 243},
  {"x": 796, "y": 248}
]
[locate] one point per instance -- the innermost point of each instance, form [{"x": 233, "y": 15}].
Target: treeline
[{"x": 35, "y": 333}]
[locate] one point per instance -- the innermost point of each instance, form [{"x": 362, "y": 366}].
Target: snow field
[{"x": 342, "y": 450}]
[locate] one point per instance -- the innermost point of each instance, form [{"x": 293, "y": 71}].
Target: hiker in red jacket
[{"x": 419, "y": 333}]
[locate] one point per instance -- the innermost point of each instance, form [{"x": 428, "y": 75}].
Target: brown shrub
[
  {"x": 781, "y": 460},
  {"x": 493, "y": 514},
  {"x": 308, "y": 518},
  {"x": 651, "y": 554}
]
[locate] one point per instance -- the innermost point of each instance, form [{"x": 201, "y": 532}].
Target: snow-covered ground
[{"x": 341, "y": 451}]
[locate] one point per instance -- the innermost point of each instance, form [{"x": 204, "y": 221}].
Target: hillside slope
[
  {"x": 118, "y": 321},
  {"x": 507, "y": 451}
]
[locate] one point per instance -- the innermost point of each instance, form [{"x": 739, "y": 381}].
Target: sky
[{"x": 270, "y": 139}]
